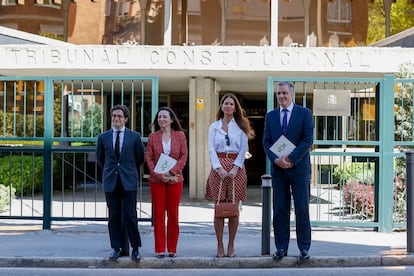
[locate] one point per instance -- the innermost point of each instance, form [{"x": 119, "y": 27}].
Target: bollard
[
  {"x": 409, "y": 167},
  {"x": 266, "y": 196}
]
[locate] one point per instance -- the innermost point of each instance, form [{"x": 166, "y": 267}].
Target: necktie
[
  {"x": 117, "y": 145},
  {"x": 284, "y": 121}
]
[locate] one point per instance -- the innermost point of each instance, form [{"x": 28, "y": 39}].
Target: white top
[
  {"x": 166, "y": 146},
  {"x": 217, "y": 142}
]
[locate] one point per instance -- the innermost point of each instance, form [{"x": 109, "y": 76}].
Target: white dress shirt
[{"x": 217, "y": 142}]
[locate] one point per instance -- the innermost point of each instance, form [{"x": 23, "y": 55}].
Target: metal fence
[
  {"x": 48, "y": 132},
  {"x": 49, "y": 126},
  {"x": 353, "y": 160}
]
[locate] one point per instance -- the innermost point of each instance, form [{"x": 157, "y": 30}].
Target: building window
[
  {"x": 339, "y": 17},
  {"x": 49, "y": 3},
  {"x": 12, "y": 2}
]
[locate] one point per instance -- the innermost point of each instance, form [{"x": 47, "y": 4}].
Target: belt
[{"x": 227, "y": 155}]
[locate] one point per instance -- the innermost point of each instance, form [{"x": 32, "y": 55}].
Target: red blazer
[{"x": 178, "y": 151}]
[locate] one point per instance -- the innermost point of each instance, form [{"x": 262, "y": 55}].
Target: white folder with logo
[
  {"x": 164, "y": 164},
  {"x": 282, "y": 146}
]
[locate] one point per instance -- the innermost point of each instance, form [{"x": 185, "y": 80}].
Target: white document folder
[
  {"x": 164, "y": 164},
  {"x": 282, "y": 146}
]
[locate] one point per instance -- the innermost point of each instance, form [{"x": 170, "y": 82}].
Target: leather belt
[{"x": 227, "y": 155}]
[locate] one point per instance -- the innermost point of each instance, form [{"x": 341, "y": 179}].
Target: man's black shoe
[
  {"x": 304, "y": 255},
  {"x": 135, "y": 255},
  {"x": 115, "y": 254},
  {"x": 279, "y": 254}
]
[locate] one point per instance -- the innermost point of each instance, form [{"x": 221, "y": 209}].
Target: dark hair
[
  {"x": 239, "y": 115},
  {"x": 175, "y": 122},
  {"x": 288, "y": 84},
  {"x": 124, "y": 109}
]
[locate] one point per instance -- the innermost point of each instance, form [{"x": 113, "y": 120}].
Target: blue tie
[{"x": 284, "y": 121}]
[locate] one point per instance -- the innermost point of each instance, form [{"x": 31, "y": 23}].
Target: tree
[
  {"x": 401, "y": 19},
  {"x": 404, "y": 104},
  {"x": 403, "y": 107}
]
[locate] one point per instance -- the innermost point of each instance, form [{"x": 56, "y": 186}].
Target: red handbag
[{"x": 226, "y": 209}]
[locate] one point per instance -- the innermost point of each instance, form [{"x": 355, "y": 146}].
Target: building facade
[{"x": 199, "y": 50}]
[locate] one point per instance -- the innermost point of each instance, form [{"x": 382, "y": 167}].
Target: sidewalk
[{"x": 86, "y": 244}]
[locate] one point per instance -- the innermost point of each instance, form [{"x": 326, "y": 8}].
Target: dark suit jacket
[
  {"x": 300, "y": 133},
  {"x": 178, "y": 151},
  {"x": 129, "y": 163}
]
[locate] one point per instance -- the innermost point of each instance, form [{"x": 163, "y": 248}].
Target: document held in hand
[
  {"x": 164, "y": 164},
  {"x": 282, "y": 146}
]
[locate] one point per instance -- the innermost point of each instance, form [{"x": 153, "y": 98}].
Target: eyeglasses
[{"x": 227, "y": 140}]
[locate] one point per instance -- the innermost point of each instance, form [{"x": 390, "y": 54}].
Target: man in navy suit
[
  {"x": 120, "y": 153},
  {"x": 290, "y": 173}
]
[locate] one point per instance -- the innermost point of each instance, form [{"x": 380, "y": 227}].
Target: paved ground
[{"x": 86, "y": 244}]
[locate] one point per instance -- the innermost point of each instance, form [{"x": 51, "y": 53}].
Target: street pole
[{"x": 266, "y": 196}]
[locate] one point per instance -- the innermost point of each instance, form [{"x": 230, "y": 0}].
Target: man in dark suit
[
  {"x": 120, "y": 153},
  {"x": 290, "y": 172}
]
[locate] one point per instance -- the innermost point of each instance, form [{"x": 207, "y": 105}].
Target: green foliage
[
  {"x": 404, "y": 105},
  {"x": 57, "y": 116},
  {"x": 89, "y": 125},
  {"x": 25, "y": 125},
  {"x": 24, "y": 172},
  {"x": 28, "y": 125},
  {"x": 403, "y": 132},
  {"x": 357, "y": 182},
  {"x": 400, "y": 206},
  {"x": 400, "y": 19},
  {"x": 350, "y": 172},
  {"x": 6, "y": 195}
]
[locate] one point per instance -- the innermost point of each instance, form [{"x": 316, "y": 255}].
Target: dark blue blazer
[
  {"x": 129, "y": 163},
  {"x": 300, "y": 133}
]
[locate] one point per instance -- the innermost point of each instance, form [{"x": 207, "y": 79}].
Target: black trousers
[{"x": 122, "y": 205}]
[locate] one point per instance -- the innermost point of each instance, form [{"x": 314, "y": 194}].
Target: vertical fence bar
[
  {"x": 409, "y": 161},
  {"x": 386, "y": 178},
  {"x": 47, "y": 157}
]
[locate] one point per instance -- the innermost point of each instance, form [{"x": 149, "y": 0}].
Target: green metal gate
[
  {"x": 48, "y": 130},
  {"x": 353, "y": 155}
]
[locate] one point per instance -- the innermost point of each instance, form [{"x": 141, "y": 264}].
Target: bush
[
  {"x": 87, "y": 125},
  {"x": 25, "y": 172},
  {"x": 357, "y": 171},
  {"x": 5, "y": 196},
  {"x": 359, "y": 197},
  {"x": 400, "y": 205},
  {"x": 359, "y": 189}
]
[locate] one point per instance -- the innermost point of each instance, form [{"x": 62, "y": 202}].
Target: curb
[{"x": 200, "y": 263}]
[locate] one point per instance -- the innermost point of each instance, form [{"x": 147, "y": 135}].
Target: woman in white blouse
[{"x": 228, "y": 144}]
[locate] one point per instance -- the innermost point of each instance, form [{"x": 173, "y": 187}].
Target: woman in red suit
[{"x": 166, "y": 188}]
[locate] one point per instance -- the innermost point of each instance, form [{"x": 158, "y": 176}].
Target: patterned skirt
[{"x": 240, "y": 183}]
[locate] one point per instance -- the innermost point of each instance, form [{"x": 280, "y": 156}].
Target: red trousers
[{"x": 165, "y": 203}]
